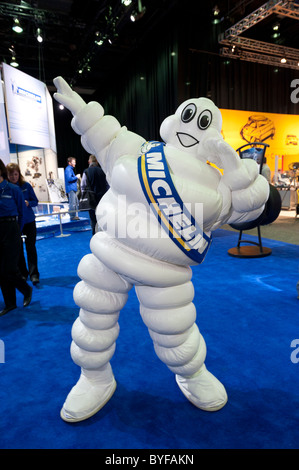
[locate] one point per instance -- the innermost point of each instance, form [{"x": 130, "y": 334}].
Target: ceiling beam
[
  {"x": 265, "y": 53},
  {"x": 32, "y": 13},
  {"x": 252, "y": 19},
  {"x": 259, "y": 58},
  {"x": 263, "y": 47}
]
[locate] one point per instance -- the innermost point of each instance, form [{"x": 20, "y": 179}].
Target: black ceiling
[
  {"x": 71, "y": 28},
  {"x": 288, "y": 34}
]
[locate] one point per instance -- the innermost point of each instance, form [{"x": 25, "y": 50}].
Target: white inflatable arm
[
  {"x": 67, "y": 97},
  {"x": 249, "y": 190},
  {"x": 102, "y": 135}
]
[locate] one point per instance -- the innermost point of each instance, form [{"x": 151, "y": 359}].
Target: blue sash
[{"x": 171, "y": 212}]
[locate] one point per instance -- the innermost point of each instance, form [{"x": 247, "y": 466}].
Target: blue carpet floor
[{"x": 247, "y": 312}]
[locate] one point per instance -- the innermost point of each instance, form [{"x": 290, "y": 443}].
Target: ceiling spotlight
[
  {"x": 137, "y": 14},
  {"x": 283, "y": 60},
  {"x": 126, "y": 2},
  {"x": 216, "y": 10},
  {"x": 39, "y": 35},
  {"x": 14, "y": 62},
  {"x": 216, "y": 15},
  {"x": 100, "y": 42},
  {"x": 17, "y": 28}
]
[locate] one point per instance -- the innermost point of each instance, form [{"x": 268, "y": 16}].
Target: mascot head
[{"x": 190, "y": 124}]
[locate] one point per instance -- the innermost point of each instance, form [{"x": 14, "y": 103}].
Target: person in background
[
  {"x": 29, "y": 228},
  {"x": 71, "y": 187},
  {"x": 12, "y": 207},
  {"x": 94, "y": 179},
  {"x": 266, "y": 172}
]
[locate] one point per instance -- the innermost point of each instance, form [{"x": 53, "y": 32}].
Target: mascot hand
[
  {"x": 67, "y": 97},
  {"x": 219, "y": 152},
  {"x": 85, "y": 115},
  {"x": 237, "y": 174}
]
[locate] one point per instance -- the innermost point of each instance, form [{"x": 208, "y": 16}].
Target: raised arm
[
  {"x": 67, "y": 97},
  {"x": 101, "y": 135}
]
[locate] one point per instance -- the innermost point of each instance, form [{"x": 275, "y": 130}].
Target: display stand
[
  {"x": 254, "y": 250},
  {"x": 61, "y": 235},
  {"x": 255, "y": 151}
]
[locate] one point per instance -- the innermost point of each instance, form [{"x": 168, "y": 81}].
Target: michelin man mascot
[{"x": 181, "y": 197}]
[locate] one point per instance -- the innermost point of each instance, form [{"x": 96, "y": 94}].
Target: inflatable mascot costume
[{"x": 181, "y": 198}]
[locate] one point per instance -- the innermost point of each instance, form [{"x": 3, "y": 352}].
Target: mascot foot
[
  {"x": 92, "y": 391},
  {"x": 203, "y": 390}
]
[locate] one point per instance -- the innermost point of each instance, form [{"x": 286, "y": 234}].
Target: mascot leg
[
  {"x": 101, "y": 294},
  {"x": 170, "y": 315}
]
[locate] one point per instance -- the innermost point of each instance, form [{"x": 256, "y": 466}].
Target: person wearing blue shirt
[
  {"x": 12, "y": 207},
  {"x": 29, "y": 229},
  {"x": 71, "y": 187}
]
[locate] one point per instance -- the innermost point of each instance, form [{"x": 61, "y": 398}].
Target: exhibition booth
[
  {"x": 27, "y": 137},
  {"x": 280, "y": 132}
]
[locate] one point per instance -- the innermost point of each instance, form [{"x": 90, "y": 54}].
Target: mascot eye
[
  {"x": 188, "y": 113},
  {"x": 205, "y": 119}
]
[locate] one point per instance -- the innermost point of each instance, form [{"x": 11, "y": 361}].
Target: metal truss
[
  {"x": 253, "y": 18},
  {"x": 259, "y": 58},
  {"x": 290, "y": 9},
  {"x": 263, "y": 47},
  {"x": 35, "y": 14},
  {"x": 239, "y": 46}
]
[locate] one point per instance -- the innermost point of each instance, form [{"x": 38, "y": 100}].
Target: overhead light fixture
[
  {"x": 17, "y": 28},
  {"x": 215, "y": 15},
  {"x": 138, "y": 14},
  {"x": 276, "y": 33},
  {"x": 14, "y": 62},
  {"x": 98, "y": 41},
  {"x": 126, "y": 3},
  {"x": 283, "y": 60},
  {"x": 39, "y": 36}
]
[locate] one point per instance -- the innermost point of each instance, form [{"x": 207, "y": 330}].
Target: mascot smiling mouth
[{"x": 186, "y": 140}]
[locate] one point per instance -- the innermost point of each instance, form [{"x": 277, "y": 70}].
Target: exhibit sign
[
  {"x": 4, "y": 146},
  {"x": 26, "y": 107},
  {"x": 279, "y": 131},
  {"x": 32, "y": 166}
]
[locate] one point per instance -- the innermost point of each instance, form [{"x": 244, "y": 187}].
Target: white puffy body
[
  {"x": 237, "y": 196},
  {"x": 133, "y": 249}
]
